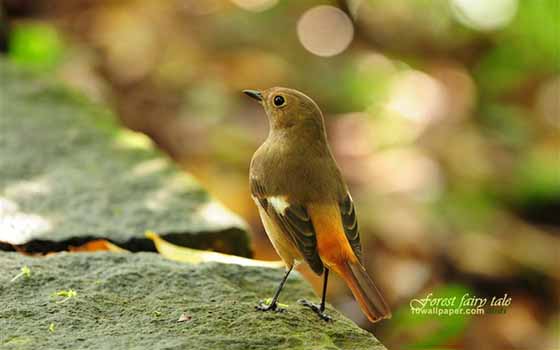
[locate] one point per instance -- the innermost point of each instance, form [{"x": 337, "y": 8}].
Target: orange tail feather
[{"x": 366, "y": 293}]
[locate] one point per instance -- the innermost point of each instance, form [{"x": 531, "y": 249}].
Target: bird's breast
[{"x": 302, "y": 174}]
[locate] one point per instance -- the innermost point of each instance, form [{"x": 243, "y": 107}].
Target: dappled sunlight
[
  {"x": 216, "y": 212},
  {"x": 159, "y": 199},
  {"x": 18, "y": 227}
]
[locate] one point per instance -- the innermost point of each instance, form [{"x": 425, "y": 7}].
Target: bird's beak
[{"x": 254, "y": 94}]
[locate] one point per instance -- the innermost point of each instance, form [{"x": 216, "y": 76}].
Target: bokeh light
[
  {"x": 134, "y": 38},
  {"x": 255, "y": 5},
  {"x": 377, "y": 62},
  {"x": 416, "y": 96},
  {"x": 325, "y": 30},
  {"x": 460, "y": 89},
  {"x": 405, "y": 170},
  {"x": 484, "y": 14}
]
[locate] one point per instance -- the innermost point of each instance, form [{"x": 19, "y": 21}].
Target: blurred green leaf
[
  {"x": 35, "y": 45},
  {"x": 502, "y": 70},
  {"x": 537, "y": 177},
  {"x": 536, "y": 31}
]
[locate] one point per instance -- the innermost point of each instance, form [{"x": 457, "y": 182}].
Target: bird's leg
[
  {"x": 273, "y": 306},
  {"x": 319, "y": 309}
]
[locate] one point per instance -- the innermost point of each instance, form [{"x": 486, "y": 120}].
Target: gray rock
[
  {"x": 69, "y": 174},
  {"x": 135, "y": 301}
]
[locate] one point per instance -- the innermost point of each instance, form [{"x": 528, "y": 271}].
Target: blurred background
[{"x": 444, "y": 116}]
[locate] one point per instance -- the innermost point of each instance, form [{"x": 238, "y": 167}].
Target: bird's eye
[{"x": 279, "y": 101}]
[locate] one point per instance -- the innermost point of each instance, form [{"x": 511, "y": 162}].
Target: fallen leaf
[
  {"x": 195, "y": 256},
  {"x": 184, "y": 318},
  {"x": 97, "y": 245}
]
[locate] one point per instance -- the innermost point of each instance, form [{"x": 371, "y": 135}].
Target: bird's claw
[
  {"x": 316, "y": 308},
  {"x": 263, "y": 306}
]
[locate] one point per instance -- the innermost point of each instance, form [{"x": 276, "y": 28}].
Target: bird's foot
[
  {"x": 267, "y": 305},
  {"x": 316, "y": 308}
]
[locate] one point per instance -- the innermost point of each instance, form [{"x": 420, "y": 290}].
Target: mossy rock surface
[
  {"x": 134, "y": 301},
  {"x": 69, "y": 174}
]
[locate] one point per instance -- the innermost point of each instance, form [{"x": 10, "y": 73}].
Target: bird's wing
[
  {"x": 293, "y": 220},
  {"x": 350, "y": 224}
]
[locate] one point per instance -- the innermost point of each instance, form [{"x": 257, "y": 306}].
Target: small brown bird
[{"x": 303, "y": 202}]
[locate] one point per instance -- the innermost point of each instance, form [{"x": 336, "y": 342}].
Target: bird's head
[{"x": 289, "y": 109}]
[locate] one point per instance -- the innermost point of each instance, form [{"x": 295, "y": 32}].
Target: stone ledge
[
  {"x": 134, "y": 301},
  {"x": 69, "y": 174}
]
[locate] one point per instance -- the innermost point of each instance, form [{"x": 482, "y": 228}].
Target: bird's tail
[{"x": 366, "y": 293}]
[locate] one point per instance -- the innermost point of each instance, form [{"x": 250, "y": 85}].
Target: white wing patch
[{"x": 279, "y": 203}]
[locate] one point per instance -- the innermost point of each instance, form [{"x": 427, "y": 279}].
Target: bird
[{"x": 304, "y": 204}]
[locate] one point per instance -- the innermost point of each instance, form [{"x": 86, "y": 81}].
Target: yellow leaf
[{"x": 195, "y": 256}]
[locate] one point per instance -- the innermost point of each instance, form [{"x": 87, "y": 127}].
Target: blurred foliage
[
  {"x": 36, "y": 46},
  {"x": 431, "y": 332},
  {"x": 443, "y": 115}
]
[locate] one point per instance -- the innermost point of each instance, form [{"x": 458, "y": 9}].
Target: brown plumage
[{"x": 303, "y": 201}]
